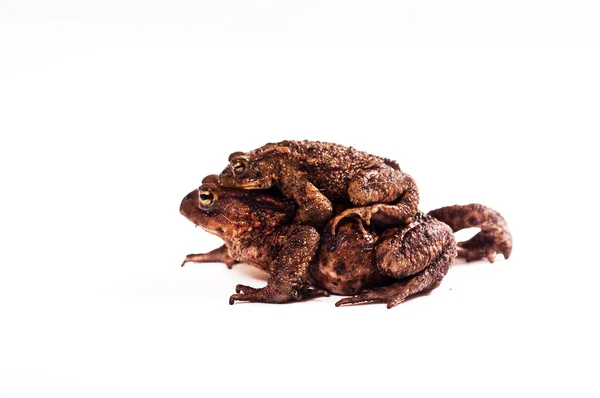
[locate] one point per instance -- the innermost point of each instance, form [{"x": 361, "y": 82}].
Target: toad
[
  {"x": 315, "y": 173},
  {"x": 258, "y": 229},
  {"x": 387, "y": 266}
]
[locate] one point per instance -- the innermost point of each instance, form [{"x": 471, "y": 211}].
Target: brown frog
[
  {"x": 315, "y": 173},
  {"x": 393, "y": 263},
  {"x": 258, "y": 229},
  {"x": 416, "y": 256}
]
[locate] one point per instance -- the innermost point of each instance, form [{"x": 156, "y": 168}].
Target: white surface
[{"x": 110, "y": 112}]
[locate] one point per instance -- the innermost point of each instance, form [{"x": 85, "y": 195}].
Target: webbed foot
[
  {"x": 483, "y": 245},
  {"x": 386, "y": 214},
  {"x": 269, "y": 294},
  {"x": 387, "y": 294},
  {"x": 362, "y": 214},
  {"x": 245, "y": 289}
]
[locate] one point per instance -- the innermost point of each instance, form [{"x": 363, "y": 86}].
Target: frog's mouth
[
  {"x": 228, "y": 180},
  {"x": 252, "y": 185},
  {"x": 199, "y": 222},
  {"x": 214, "y": 231},
  {"x": 246, "y": 184}
]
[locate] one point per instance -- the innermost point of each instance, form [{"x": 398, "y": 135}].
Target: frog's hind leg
[
  {"x": 419, "y": 254},
  {"x": 387, "y": 196},
  {"x": 394, "y": 294},
  {"x": 494, "y": 237},
  {"x": 383, "y": 186}
]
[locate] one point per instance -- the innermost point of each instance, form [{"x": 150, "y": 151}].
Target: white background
[{"x": 111, "y": 111}]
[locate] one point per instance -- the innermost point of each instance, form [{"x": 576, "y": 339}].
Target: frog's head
[
  {"x": 254, "y": 170},
  {"x": 232, "y": 213}
]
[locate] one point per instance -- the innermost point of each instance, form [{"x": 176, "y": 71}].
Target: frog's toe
[
  {"x": 485, "y": 244},
  {"x": 361, "y": 214},
  {"x": 478, "y": 248},
  {"x": 314, "y": 293},
  {"x": 246, "y": 296},
  {"x": 191, "y": 258},
  {"x": 233, "y": 298},
  {"x": 363, "y": 298},
  {"x": 246, "y": 293},
  {"x": 392, "y": 295},
  {"x": 244, "y": 289},
  {"x": 394, "y": 301},
  {"x": 267, "y": 294},
  {"x": 477, "y": 253}
]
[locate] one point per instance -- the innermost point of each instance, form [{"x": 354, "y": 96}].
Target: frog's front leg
[
  {"x": 290, "y": 278},
  {"x": 219, "y": 255},
  {"x": 389, "y": 196},
  {"x": 313, "y": 207},
  {"x": 419, "y": 255}
]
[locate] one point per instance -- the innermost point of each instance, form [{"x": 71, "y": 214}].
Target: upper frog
[{"x": 315, "y": 173}]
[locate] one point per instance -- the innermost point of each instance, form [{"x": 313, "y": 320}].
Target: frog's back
[{"x": 329, "y": 166}]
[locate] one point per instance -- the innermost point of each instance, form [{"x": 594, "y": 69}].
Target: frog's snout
[
  {"x": 225, "y": 177},
  {"x": 188, "y": 203}
]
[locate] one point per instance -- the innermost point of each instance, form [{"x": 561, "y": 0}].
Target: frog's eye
[
  {"x": 206, "y": 199},
  {"x": 239, "y": 167}
]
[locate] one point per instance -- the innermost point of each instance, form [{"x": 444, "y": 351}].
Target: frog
[
  {"x": 315, "y": 173},
  {"x": 257, "y": 229},
  {"x": 375, "y": 263}
]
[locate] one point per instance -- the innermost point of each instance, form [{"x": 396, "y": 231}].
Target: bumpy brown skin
[
  {"x": 403, "y": 262},
  {"x": 494, "y": 237},
  {"x": 315, "y": 173},
  {"x": 257, "y": 228},
  {"x": 419, "y": 254}
]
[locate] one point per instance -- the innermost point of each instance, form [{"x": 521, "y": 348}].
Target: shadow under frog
[{"x": 385, "y": 265}]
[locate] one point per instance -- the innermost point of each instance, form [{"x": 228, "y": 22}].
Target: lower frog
[
  {"x": 386, "y": 267},
  {"x": 258, "y": 229},
  {"x": 391, "y": 265},
  {"x": 376, "y": 266}
]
